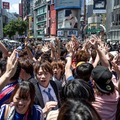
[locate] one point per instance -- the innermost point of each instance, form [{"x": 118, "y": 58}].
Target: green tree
[
  {"x": 9, "y": 29},
  {"x": 21, "y": 26},
  {"x": 14, "y": 27}
]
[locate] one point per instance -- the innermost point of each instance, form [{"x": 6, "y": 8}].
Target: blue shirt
[{"x": 37, "y": 113}]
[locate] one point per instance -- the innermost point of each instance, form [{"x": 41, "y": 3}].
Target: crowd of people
[{"x": 61, "y": 80}]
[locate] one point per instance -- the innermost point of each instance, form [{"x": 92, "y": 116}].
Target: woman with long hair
[{"x": 21, "y": 104}]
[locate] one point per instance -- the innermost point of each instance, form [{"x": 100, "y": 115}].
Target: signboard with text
[
  {"x": 99, "y": 6},
  {"x": 60, "y": 4},
  {"x": 6, "y": 5}
]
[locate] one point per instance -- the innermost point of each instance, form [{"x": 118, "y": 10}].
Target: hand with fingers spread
[
  {"x": 94, "y": 41},
  {"x": 12, "y": 64},
  {"x": 116, "y": 67},
  {"x": 69, "y": 47},
  {"x": 10, "y": 69}
]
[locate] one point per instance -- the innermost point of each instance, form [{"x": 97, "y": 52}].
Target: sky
[{"x": 14, "y": 5}]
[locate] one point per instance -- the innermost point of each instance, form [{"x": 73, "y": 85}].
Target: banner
[{"x": 60, "y": 4}]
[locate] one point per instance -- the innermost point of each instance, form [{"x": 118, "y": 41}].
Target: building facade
[
  {"x": 20, "y": 10},
  {"x": 53, "y": 21},
  {"x": 41, "y": 18},
  {"x": 25, "y": 8},
  {"x": 1, "y": 21},
  {"x": 26, "y": 13},
  {"x": 113, "y": 19}
]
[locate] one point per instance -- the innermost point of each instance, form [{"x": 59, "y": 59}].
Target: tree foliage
[{"x": 17, "y": 26}]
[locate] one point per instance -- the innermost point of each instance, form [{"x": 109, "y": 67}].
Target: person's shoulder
[{"x": 33, "y": 80}]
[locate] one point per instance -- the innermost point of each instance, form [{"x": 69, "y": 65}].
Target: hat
[{"x": 102, "y": 77}]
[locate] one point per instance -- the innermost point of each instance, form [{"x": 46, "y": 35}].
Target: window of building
[
  {"x": 119, "y": 19},
  {"x": 116, "y": 2},
  {"x": 42, "y": 25},
  {"x": 41, "y": 32},
  {"x": 41, "y": 18},
  {"x": 44, "y": 9},
  {"x": 118, "y": 34}
]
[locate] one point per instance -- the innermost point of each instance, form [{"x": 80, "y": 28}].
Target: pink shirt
[{"x": 106, "y": 105}]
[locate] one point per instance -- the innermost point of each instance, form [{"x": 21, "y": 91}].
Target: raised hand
[
  {"x": 12, "y": 63},
  {"x": 10, "y": 69}
]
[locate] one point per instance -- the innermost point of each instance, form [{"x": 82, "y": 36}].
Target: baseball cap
[{"x": 102, "y": 77}]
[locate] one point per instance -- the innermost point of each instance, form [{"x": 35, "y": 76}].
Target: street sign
[{"x": 93, "y": 30}]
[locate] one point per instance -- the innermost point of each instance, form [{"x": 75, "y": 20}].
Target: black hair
[
  {"x": 77, "y": 89},
  {"x": 77, "y": 110},
  {"x": 83, "y": 71}
]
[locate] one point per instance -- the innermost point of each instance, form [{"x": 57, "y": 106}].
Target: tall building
[
  {"x": 1, "y": 21},
  {"x": 20, "y": 10},
  {"x": 26, "y": 13},
  {"x": 113, "y": 19},
  {"x": 25, "y": 8},
  {"x": 53, "y": 21},
  {"x": 41, "y": 18}
]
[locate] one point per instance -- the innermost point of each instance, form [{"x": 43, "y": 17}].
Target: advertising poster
[
  {"x": 68, "y": 18},
  {"x": 99, "y": 6},
  {"x": 60, "y": 4}
]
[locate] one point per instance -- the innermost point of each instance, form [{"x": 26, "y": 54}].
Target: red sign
[{"x": 6, "y": 5}]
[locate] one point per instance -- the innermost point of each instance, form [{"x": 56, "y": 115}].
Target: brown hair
[
  {"x": 46, "y": 67},
  {"x": 58, "y": 64},
  {"x": 26, "y": 64},
  {"x": 82, "y": 55}
]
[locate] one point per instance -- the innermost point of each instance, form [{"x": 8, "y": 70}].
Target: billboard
[
  {"x": 67, "y": 18},
  {"x": 60, "y": 4},
  {"x": 99, "y": 6},
  {"x": 6, "y": 5}
]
